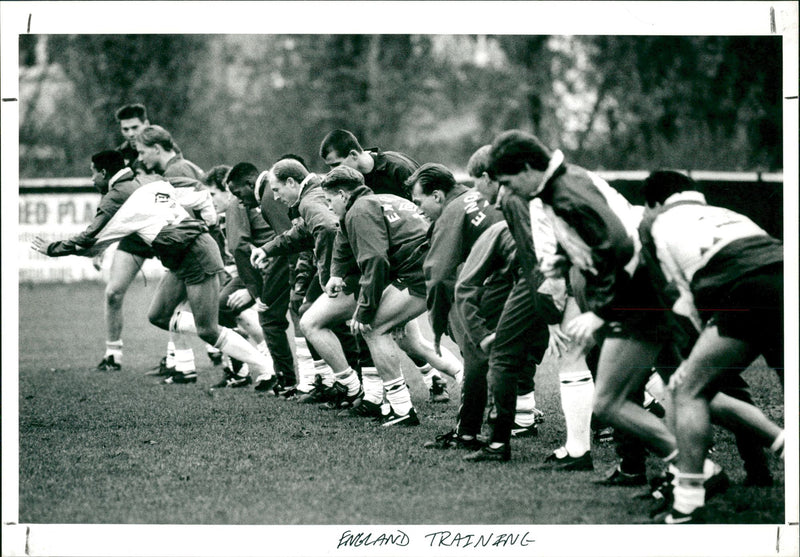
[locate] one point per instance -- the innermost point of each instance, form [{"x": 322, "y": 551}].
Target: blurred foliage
[{"x": 609, "y": 102}]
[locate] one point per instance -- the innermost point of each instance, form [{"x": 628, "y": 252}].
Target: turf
[{"x": 121, "y": 448}]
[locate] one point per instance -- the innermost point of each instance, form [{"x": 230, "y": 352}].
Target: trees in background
[{"x": 609, "y": 102}]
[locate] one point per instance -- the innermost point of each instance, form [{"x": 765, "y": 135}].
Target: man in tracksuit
[
  {"x": 387, "y": 172},
  {"x": 314, "y": 227},
  {"x": 383, "y": 171},
  {"x": 459, "y": 215},
  {"x": 270, "y": 286},
  {"x": 386, "y": 239}
]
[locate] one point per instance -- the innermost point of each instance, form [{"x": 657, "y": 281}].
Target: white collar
[
  {"x": 259, "y": 184},
  {"x": 689, "y": 195},
  {"x": 303, "y": 186},
  {"x": 556, "y": 160},
  {"x": 118, "y": 176}
]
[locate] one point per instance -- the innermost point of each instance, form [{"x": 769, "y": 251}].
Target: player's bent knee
[
  {"x": 604, "y": 409},
  {"x": 114, "y": 297},
  {"x": 157, "y": 319},
  {"x": 208, "y": 333}
]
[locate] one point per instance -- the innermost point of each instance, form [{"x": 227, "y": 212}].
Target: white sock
[
  {"x": 689, "y": 493},
  {"x": 777, "y": 445},
  {"x": 244, "y": 371},
  {"x": 184, "y": 360},
  {"x": 170, "y": 352},
  {"x": 324, "y": 370},
  {"x": 305, "y": 365},
  {"x": 524, "y": 413},
  {"x": 182, "y": 322},
  {"x": 398, "y": 395},
  {"x": 114, "y": 348},
  {"x": 428, "y": 373},
  {"x": 235, "y": 346},
  {"x": 349, "y": 379},
  {"x": 577, "y": 391},
  {"x": 372, "y": 384}
]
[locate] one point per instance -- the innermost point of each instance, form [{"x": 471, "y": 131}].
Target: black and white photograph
[{"x": 400, "y": 278}]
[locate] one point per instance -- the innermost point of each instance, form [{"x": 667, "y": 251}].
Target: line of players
[{"x": 539, "y": 254}]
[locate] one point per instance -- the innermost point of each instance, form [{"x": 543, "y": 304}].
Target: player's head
[
  {"x": 338, "y": 185},
  {"x": 429, "y": 185},
  {"x": 104, "y": 165},
  {"x": 298, "y": 158},
  {"x": 242, "y": 182},
  {"x": 132, "y": 118},
  {"x": 215, "y": 179},
  {"x": 661, "y": 184},
  {"x": 285, "y": 178},
  {"x": 340, "y": 147},
  {"x": 478, "y": 169},
  {"x": 518, "y": 161},
  {"x": 155, "y": 146}
]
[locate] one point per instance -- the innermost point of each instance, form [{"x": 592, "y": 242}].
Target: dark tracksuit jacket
[
  {"x": 390, "y": 172},
  {"x": 315, "y": 228},
  {"x": 465, "y": 216},
  {"x": 271, "y": 285},
  {"x": 485, "y": 281},
  {"x": 596, "y": 227},
  {"x": 387, "y": 236}
]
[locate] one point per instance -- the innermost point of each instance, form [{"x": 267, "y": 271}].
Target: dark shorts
[
  {"x": 134, "y": 245},
  {"x": 415, "y": 285},
  {"x": 638, "y": 312},
  {"x": 202, "y": 261},
  {"x": 751, "y": 310}
]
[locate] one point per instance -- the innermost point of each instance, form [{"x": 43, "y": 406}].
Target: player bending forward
[{"x": 186, "y": 249}]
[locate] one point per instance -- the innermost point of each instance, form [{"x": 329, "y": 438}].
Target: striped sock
[
  {"x": 114, "y": 348},
  {"x": 349, "y": 379},
  {"x": 398, "y": 395}
]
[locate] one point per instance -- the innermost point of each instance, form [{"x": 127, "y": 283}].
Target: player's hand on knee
[
  {"x": 261, "y": 306},
  {"x": 583, "y": 327},
  {"x": 678, "y": 377},
  {"x": 334, "y": 286},
  {"x": 239, "y": 298},
  {"x": 554, "y": 266},
  {"x": 559, "y": 341},
  {"x": 357, "y": 327},
  {"x": 258, "y": 258}
]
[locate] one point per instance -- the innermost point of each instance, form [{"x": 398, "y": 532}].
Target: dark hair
[
  {"x": 663, "y": 183},
  {"x": 343, "y": 178},
  {"x": 432, "y": 176},
  {"x": 132, "y": 111},
  {"x": 156, "y": 135},
  {"x": 479, "y": 162},
  {"x": 513, "y": 149},
  {"x": 216, "y": 177},
  {"x": 341, "y": 141},
  {"x": 111, "y": 161},
  {"x": 292, "y": 156},
  {"x": 289, "y": 168},
  {"x": 241, "y": 171}
]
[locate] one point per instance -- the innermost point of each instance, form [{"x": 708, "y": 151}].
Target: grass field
[{"x": 120, "y": 448}]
